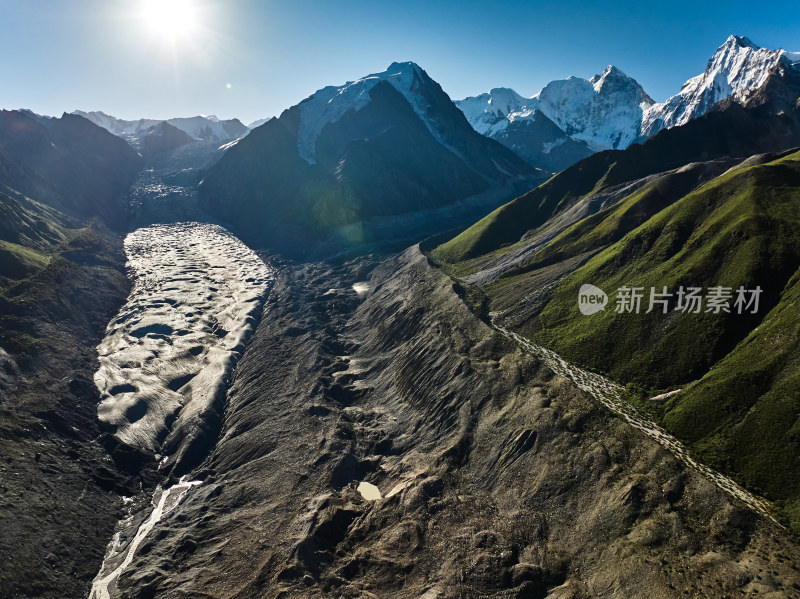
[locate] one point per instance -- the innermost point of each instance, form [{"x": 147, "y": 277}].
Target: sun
[{"x": 171, "y": 19}]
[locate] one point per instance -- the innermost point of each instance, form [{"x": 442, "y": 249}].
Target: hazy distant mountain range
[{"x": 207, "y": 128}]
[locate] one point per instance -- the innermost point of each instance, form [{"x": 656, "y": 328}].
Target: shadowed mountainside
[
  {"x": 382, "y": 159},
  {"x": 69, "y": 163},
  {"x": 61, "y": 279}
]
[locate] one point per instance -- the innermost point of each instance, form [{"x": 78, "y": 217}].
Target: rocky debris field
[{"x": 497, "y": 476}]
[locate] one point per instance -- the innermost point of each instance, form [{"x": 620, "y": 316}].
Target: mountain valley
[{"x": 339, "y": 353}]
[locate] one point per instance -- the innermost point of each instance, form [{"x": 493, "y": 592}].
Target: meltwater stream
[{"x": 167, "y": 356}]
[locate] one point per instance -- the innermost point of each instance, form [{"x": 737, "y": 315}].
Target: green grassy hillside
[
  {"x": 18, "y": 262},
  {"x": 741, "y": 229},
  {"x": 740, "y": 408},
  {"x": 732, "y": 132},
  {"x": 744, "y": 415}
]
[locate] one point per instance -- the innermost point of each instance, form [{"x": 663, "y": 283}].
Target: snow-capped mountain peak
[
  {"x": 611, "y": 110},
  {"x": 329, "y": 104},
  {"x": 208, "y": 128},
  {"x": 604, "y": 112},
  {"x": 736, "y": 70},
  {"x": 489, "y": 111},
  {"x": 613, "y": 80}
]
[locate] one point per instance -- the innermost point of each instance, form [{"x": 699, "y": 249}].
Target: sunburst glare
[{"x": 171, "y": 19}]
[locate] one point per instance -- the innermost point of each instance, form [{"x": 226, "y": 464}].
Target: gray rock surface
[{"x": 498, "y": 478}]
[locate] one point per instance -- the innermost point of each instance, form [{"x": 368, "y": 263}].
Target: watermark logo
[
  {"x": 591, "y": 299},
  {"x": 688, "y": 300}
]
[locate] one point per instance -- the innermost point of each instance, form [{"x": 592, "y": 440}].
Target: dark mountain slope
[
  {"x": 62, "y": 277},
  {"x": 498, "y": 479},
  {"x": 530, "y": 138},
  {"x": 162, "y": 138},
  {"x": 382, "y": 159},
  {"x": 69, "y": 163},
  {"x": 60, "y": 283}
]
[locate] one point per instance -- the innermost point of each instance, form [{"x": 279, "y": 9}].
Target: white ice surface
[{"x": 169, "y": 352}]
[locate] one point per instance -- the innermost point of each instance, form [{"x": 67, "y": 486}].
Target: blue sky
[{"x": 252, "y": 59}]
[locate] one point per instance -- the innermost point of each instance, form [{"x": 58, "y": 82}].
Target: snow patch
[{"x": 227, "y": 146}]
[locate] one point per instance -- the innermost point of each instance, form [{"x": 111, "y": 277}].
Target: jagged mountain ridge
[
  {"x": 388, "y": 146},
  {"x": 736, "y": 70},
  {"x": 162, "y": 137},
  {"x": 605, "y": 111},
  {"x": 567, "y": 120},
  {"x": 207, "y": 128},
  {"x": 611, "y": 110}
]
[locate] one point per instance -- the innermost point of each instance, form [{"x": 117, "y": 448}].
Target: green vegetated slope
[
  {"x": 580, "y": 241},
  {"x": 28, "y": 233},
  {"x": 735, "y": 131},
  {"x": 744, "y": 415},
  {"x": 18, "y": 262},
  {"x": 42, "y": 254},
  {"x": 610, "y": 225},
  {"x": 740, "y": 229}
]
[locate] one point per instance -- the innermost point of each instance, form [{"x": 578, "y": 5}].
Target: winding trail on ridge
[{"x": 609, "y": 394}]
